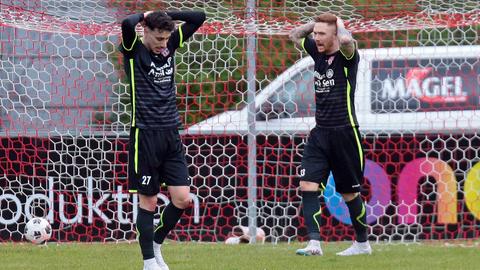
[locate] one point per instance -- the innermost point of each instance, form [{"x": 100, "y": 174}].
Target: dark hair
[
  {"x": 327, "y": 18},
  {"x": 159, "y": 20}
]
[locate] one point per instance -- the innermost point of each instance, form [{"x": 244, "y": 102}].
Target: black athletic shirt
[
  {"x": 335, "y": 84},
  {"x": 152, "y": 76}
]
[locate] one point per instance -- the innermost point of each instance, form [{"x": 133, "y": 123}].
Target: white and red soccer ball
[{"x": 38, "y": 230}]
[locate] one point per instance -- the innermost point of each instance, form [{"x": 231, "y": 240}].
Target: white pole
[{"x": 251, "y": 136}]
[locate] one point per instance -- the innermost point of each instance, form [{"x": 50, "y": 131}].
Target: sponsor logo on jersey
[
  {"x": 162, "y": 74},
  {"x": 324, "y": 82}
]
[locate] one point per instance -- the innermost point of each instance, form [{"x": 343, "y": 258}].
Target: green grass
[{"x": 436, "y": 255}]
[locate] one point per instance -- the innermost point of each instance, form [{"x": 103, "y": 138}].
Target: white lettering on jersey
[
  {"x": 162, "y": 74},
  {"x": 324, "y": 82}
]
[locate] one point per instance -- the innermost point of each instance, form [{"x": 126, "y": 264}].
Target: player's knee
[
  {"x": 308, "y": 186},
  {"x": 148, "y": 203},
  {"x": 182, "y": 202},
  {"x": 349, "y": 196}
]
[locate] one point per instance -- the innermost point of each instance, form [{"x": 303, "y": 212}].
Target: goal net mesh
[{"x": 65, "y": 115}]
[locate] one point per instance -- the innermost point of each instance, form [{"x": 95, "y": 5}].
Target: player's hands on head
[
  {"x": 340, "y": 23},
  {"x": 142, "y": 23},
  {"x": 146, "y": 13}
]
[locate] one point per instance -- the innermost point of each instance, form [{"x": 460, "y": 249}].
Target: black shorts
[
  {"x": 338, "y": 150},
  {"x": 155, "y": 157}
]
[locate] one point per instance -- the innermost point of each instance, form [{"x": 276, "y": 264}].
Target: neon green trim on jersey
[
  {"x": 346, "y": 57},
  {"x": 136, "y": 150},
  {"x": 181, "y": 36},
  {"x": 303, "y": 44},
  {"x": 353, "y": 54},
  {"x": 131, "y": 48},
  {"x": 352, "y": 122},
  {"x": 361, "y": 215},
  {"x": 132, "y": 190},
  {"x": 161, "y": 222},
  {"x": 132, "y": 79}
]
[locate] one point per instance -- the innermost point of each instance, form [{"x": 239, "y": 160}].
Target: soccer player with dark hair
[
  {"x": 334, "y": 144},
  {"x": 156, "y": 152}
]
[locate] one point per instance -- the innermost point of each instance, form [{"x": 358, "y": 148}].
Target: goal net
[{"x": 65, "y": 114}]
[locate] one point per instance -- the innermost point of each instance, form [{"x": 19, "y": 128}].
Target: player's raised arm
[
  {"x": 129, "y": 36},
  {"x": 299, "y": 33},
  {"x": 193, "y": 21},
  {"x": 345, "y": 39}
]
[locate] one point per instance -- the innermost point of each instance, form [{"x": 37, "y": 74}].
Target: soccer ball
[{"x": 38, "y": 230}]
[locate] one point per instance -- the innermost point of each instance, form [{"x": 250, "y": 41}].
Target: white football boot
[
  {"x": 312, "y": 248},
  {"x": 158, "y": 256},
  {"x": 357, "y": 249},
  {"x": 151, "y": 264}
]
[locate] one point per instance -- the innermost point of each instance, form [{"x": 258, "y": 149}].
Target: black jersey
[
  {"x": 152, "y": 76},
  {"x": 335, "y": 82}
]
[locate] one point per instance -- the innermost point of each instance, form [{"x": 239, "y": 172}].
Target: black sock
[
  {"x": 358, "y": 215},
  {"x": 170, "y": 215},
  {"x": 145, "y": 232},
  {"x": 311, "y": 213}
]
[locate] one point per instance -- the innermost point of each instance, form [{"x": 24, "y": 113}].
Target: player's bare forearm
[
  {"x": 299, "y": 33},
  {"x": 347, "y": 43}
]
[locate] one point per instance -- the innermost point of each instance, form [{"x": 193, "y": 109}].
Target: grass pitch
[{"x": 198, "y": 256}]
